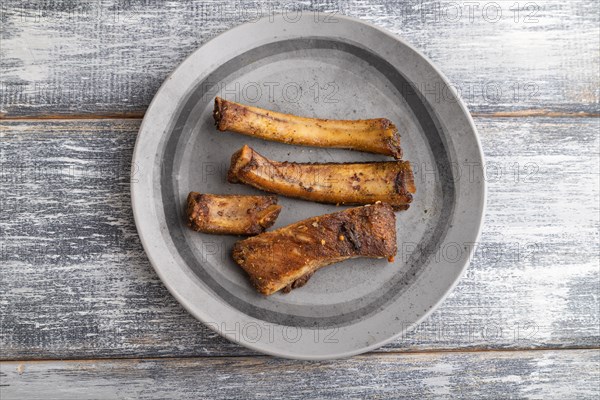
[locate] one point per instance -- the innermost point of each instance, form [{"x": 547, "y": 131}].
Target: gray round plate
[{"x": 336, "y": 68}]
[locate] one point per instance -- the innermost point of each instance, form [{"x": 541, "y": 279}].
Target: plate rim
[{"x": 137, "y": 212}]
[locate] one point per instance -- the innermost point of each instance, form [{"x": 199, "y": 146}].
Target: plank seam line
[
  {"x": 369, "y": 354},
  {"x": 91, "y": 117}
]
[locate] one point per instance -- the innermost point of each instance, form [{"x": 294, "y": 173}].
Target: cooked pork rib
[
  {"x": 287, "y": 257},
  {"x": 371, "y": 135},
  {"x": 231, "y": 214},
  {"x": 348, "y": 183}
]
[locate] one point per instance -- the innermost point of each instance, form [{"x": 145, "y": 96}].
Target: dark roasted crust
[
  {"x": 231, "y": 214},
  {"x": 393, "y": 144},
  {"x": 338, "y": 183},
  {"x": 287, "y": 257},
  {"x": 377, "y": 135},
  {"x": 197, "y": 211},
  {"x": 303, "y": 280},
  {"x": 218, "y": 113},
  {"x": 225, "y": 113}
]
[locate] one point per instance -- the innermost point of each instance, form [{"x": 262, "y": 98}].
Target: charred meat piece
[
  {"x": 348, "y": 183},
  {"x": 377, "y": 135},
  {"x": 287, "y": 257},
  {"x": 231, "y": 214}
]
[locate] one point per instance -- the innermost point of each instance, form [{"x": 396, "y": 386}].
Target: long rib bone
[{"x": 377, "y": 135}]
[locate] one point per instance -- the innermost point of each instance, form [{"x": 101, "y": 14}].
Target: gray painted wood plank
[
  {"x": 530, "y": 374},
  {"x": 75, "y": 282},
  {"x": 109, "y": 57}
]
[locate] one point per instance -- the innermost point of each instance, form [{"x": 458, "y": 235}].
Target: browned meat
[
  {"x": 231, "y": 214},
  {"x": 377, "y": 135},
  {"x": 287, "y": 257},
  {"x": 348, "y": 183}
]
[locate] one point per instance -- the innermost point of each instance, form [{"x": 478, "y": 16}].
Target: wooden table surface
[{"x": 83, "y": 314}]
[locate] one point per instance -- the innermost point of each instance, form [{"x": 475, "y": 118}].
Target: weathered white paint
[
  {"x": 527, "y": 374},
  {"x": 111, "y": 56},
  {"x": 76, "y": 282}
]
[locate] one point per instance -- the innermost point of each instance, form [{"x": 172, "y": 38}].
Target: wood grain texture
[
  {"x": 529, "y": 374},
  {"x": 108, "y": 57},
  {"x": 75, "y": 282}
]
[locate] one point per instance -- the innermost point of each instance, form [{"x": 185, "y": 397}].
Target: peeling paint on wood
[
  {"x": 75, "y": 282},
  {"x": 60, "y": 57},
  {"x": 530, "y": 374},
  {"x": 536, "y": 113}
]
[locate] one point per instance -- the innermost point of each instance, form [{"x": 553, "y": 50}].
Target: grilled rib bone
[
  {"x": 377, "y": 135},
  {"x": 231, "y": 214},
  {"x": 287, "y": 257},
  {"x": 347, "y": 183}
]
